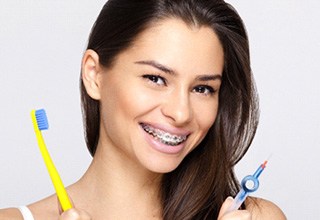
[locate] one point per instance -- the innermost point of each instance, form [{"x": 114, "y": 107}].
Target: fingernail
[{"x": 229, "y": 199}]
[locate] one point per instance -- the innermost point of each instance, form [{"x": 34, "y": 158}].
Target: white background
[{"x": 41, "y": 45}]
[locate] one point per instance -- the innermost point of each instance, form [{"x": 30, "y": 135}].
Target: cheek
[
  {"x": 117, "y": 106},
  {"x": 206, "y": 116},
  {"x": 128, "y": 102}
]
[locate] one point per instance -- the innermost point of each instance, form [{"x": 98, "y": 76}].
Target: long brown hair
[{"x": 198, "y": 187}]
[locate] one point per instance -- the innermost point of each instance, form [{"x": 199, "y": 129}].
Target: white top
[{"x": 26, "y": 213}]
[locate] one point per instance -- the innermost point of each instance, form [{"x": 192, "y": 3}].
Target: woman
[{"x": 170, "y": 107}]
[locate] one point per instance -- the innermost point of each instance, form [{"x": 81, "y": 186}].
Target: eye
[
  {"x": 156, "y": 79},
  {"x": 204, "y": 89}
]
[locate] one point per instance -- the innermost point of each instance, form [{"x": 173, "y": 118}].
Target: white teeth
[{"x": 164, "y": 137}]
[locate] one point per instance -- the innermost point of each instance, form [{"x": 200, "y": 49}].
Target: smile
[{"x": 163, "y": 136}]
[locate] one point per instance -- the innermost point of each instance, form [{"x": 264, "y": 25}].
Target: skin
[{"x": 164, "y": 81}]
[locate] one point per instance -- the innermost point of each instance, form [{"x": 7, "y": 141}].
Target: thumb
[
  {"x": 60, "y": 207},
  {"x": 225, "y": 206},
  {"x": 75, "y": 214}
]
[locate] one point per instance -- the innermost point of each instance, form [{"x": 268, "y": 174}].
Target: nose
[{"x": 178, "y": 108}]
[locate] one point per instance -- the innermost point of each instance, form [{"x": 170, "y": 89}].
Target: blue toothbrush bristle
[{"x": 42, "y": 120}]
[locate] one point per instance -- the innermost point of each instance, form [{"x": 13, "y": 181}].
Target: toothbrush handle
[
  {"x": 238, "y": 200},
  {"x": 54, "y": 175}
]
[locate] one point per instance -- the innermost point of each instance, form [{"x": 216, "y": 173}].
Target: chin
[{"x": 162, "y": 166}]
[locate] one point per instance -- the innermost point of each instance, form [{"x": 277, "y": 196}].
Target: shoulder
[
  {"x": 263, "y": 209},
  {"x": 46, "y": 208},
  {"x": 43, "y": 209},
  {"x": 10, "y": 213}
]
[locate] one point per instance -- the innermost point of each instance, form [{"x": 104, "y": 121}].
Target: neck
[{"x": 115, "y": 185}]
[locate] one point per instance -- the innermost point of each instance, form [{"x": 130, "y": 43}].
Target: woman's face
[{"x": 160, "y": 97}]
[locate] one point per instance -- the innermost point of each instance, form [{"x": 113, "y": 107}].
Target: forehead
[
  {"x": 174, "y": 43},
  {"x": 175, "y": 31}
]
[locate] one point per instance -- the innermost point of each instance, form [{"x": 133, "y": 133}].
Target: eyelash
[
  {"x": 201, "y": 89},
  {"x": 208, "y": 90},
  {"x": 154, "y": 79}
]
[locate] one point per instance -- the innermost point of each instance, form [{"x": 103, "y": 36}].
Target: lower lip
[{"x": 163, "y": 148}]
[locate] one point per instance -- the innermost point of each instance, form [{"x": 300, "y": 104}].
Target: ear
[{"x": 91, "y": 71}]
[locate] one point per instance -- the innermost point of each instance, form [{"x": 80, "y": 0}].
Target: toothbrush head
[{"x": 41, "y": 119}]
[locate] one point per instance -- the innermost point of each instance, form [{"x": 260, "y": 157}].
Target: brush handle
[
  {"x": 54, "y": 175},
  {"x": 238, "y": 200}
]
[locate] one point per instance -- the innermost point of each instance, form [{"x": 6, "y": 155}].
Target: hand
[
  {"x": 75, "y": 214},
  {"x": 233, "y": 215}
]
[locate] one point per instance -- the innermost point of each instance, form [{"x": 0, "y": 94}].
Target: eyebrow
[
  {"x": 209, "y": 77},
  {"x": 157, "y": 66},
  {"x": 205, "y": 77}
]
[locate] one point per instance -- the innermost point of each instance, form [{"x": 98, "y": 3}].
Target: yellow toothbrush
[{"x": 40, "y": 122}]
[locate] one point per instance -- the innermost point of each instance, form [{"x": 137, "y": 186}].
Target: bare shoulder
[
  {"x": 43, "y": 209},
  {"x": 10, "y": 214},
  {"x": 263, "y": 209},
  {"x": 46, "y": 208}
]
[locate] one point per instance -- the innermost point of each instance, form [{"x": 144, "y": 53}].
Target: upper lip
[{"x": 169, "y": 129}]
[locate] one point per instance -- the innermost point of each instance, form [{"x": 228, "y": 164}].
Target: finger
[
  {"x": 237, "y": 215},
  {"x": 60, "y": 207},
  {"x": 75, "y": 214},
  {"x": 225, "y": 205},
  {"x": 224, "y": 213}
]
